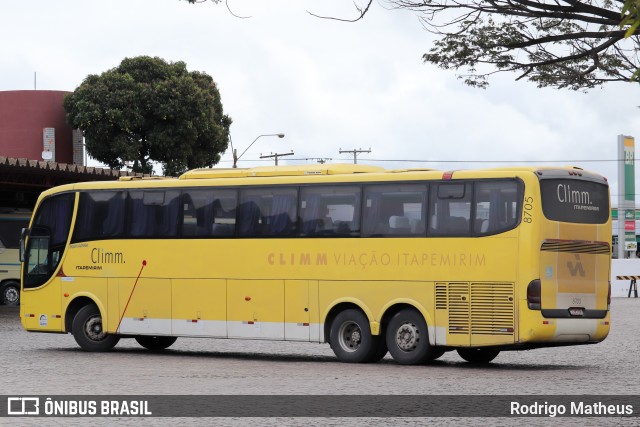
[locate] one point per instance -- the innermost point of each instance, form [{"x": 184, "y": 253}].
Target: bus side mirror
[{"x": 23, "y": 237}]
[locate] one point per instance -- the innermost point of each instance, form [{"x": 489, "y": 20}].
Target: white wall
[{"x": 623, "y": 267}]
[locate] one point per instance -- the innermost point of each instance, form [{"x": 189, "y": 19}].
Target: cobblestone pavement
[{"x": 52, "y": 364}]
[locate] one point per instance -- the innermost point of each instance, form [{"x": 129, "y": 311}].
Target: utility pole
[
  {"x": 276, "y": 156},
  {"x": 355, "y": 153}
]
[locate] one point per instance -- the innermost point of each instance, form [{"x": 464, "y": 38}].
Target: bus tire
[
  {"x": 88, "y": 333},
  {"x": 10, "y": 293},
  {"x": 408, "y": 339},
  {"x": 350, "y": 337},
  {"x": 478, "y": 355},
  {"x": 380, "y": 349},
  {"x": 155, "y": 343}
]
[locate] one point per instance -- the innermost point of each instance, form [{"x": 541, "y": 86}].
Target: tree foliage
[
  {"x": 147, "y": 109},
  {"x": 631, "y": 22},
  {"x": 575, "y": 44},
  {"x": 631, "y": 16}
]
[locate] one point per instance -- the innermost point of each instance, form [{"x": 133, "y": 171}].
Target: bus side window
[
  {"x": 330, "y": 210},
  {"x": 100, "y": 215},
  {"x": 311, "y": 221},
  {"x": 208, "y": 212},
  {"x": 154, "y": 213},
  {"x": 192, "y": 218},
  {"x": 224, "y": 213},
  {"x": 268, "y": 212},
  {"x": 249, "y": 218},
  {"x": 394, "y": 209},
  {"x": 496, "y": 206},
  {"x": 450, "y": 209}
]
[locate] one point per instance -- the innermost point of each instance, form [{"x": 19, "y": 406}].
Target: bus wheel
[
  {"x": 350, "y": 337},
  {"x": 408, "y": 338},
  {"x": 478, "y": 355},
  {"x": 11, "y": 293},
  {"x": 88, "y": 333},
  {"x": 380, "y": 349},
  {"x": 155, "y": 343}
]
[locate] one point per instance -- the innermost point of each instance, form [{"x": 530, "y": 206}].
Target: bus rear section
[{"x": 572, "y": 294}]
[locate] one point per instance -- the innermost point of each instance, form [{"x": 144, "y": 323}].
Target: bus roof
[
  {"x": 334, "y": 172},
  {"x": 325, "y": 169}
]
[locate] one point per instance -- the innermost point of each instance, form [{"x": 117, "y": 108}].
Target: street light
[{"x": 235, "y": 152}]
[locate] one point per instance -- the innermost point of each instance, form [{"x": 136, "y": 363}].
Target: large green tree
[
  {"x": 575, "y": 44},
  {"x": 147, "y": 109}
]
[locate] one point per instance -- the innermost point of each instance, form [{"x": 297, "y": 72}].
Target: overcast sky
[{"x": 327, "y": 85}]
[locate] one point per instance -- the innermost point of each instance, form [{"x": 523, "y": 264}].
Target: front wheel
[
  {"x": 408, "y": 338},
  {"x": 350, "y": 337},
  {"x": 88, "y": 333},
  {"x": 478, "y": 355},
  {"x": 155, "y": 343},
  {"x": 10, "y": 293}
]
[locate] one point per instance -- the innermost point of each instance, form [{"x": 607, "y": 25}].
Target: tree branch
[
  {"x": 231, "y": 12},
  {"x": 362, "y": 13},
  {"x": 572, "y": 36}
]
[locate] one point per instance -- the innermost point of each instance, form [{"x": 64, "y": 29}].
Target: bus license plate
[{"x": 576, "y": 311}]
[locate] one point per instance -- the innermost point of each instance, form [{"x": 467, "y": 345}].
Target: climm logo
[
  {"x": 567, "y": 195},
  {"x": 100, "y": 256}
]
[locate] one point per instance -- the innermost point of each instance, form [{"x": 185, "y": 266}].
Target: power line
[
  {"x": 497, "y": 161},
  {"x": 320, "y": 160},
  {"x": 459, "y": 161}
]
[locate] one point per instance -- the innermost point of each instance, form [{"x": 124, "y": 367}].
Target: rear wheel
[
  {"x": 10, "y": 293},
  {"x": 155, "y": 343},
  {"x": 350, "y": 337},
  {"x": 88, "y": 333},
  {"x": 478, "y": 355},
  {"x": 408, "y": 339},
  {"x": 380, "y": 349}
]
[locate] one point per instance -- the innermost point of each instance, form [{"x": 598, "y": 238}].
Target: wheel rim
[
  {"x": 93, "y": 328},
  {"x": 407, "y": 337},
  {"x": 350, "y": 336},
  {"x": 11, "y": 295}
]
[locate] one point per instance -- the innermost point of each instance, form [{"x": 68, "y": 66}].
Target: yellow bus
[
  {"x": 12, "y": 221},
  {"x": 410, "y": 262}
]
